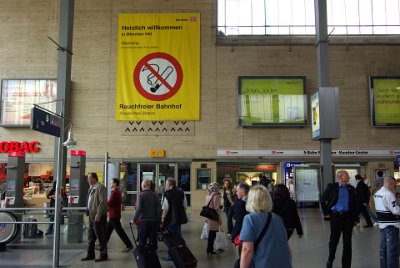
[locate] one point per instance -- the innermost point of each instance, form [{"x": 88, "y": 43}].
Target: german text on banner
[{"x": 158, "y": 75}]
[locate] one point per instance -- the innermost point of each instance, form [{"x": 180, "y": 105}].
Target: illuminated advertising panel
[
  {"x": 385, "y": 100},
  {"x": 272, "y": 100},
  {"x": 18, "y": 97},
  {"x": 315, "y": 116}
]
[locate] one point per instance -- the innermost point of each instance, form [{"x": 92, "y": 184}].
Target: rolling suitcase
[
  {"x": 182, "y": 257},
  {"x": 179, "y": 252},
  {"x": 172, "y": 239},
  {"x": 145, "y": 256}
]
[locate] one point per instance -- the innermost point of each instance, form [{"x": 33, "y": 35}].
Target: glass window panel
[
  {"x": 244, "y": 13},
  {"x": 184, "y": 176},
  {"x": 231, "y": 13},
  {"x": 352, "y": 17},
  {"x": 285, "y": 14},
  {"x": 366, "y": 13},
  {"x": 258, "y": 11},
  {"x": 379, "y": 12},
  {"x": 393, "y": 20},
  {"x": 283, "y": 17}
]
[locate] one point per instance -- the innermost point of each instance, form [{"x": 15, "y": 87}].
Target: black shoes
[
  {"x": 215, "y": 252},
  {"x": 101, "y": 259},
  {"x": 87, "y": 258}
]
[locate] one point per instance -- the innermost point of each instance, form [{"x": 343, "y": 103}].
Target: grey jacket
[
  {"x": 98, "y": 204},
  {"x": 148, "y": 207}
]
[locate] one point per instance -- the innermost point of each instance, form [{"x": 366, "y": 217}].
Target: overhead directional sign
[{"x": 45, "y": 122}]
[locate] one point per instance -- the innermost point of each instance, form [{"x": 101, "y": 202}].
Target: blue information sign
[{"x": 45, "y": 122}]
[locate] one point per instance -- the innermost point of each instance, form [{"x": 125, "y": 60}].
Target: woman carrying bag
[
  {"x": 213, "y": 200},
  {"x": 263, "y": 233}
]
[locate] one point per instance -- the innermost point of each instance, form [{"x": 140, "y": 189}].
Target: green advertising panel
[
  {"x": 385, "y": 100},
  {"x": 272, "y": 100}
]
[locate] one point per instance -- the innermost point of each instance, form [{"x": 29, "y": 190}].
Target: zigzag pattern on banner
[{"x": 158, "y": 128}]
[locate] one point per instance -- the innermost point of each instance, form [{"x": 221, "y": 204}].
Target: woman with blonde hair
[
  {"x": 213, "y": 200},
  {"x": 263, "y": 233}
]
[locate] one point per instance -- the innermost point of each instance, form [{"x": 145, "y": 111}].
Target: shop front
[{"x": 132, "y": 173}]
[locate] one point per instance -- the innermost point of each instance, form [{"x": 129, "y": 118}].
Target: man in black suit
[
  {"x": 338, "y": 203},
  {"x": 362, "y": 199}
]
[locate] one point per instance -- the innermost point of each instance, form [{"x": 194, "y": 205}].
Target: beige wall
[{"x": 26, "y": 52}]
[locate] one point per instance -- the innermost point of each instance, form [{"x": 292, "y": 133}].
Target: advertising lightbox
[
  {"x": 385, "y": 101},
  {"x": 272, "y": 100},
  {"x": 18, "y": 97},
  {"x": 315, "y": 125}
]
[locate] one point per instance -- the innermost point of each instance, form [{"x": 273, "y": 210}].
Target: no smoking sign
[{"x": 158, "y": 76}]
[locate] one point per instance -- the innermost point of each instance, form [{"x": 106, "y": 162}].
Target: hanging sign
[{"x": 158, "y": 76}]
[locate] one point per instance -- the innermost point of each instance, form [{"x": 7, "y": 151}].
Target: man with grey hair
[
  {"x": 97, "y": 211},
  {"x": 174, "y": 206},
  {"x": 148, "y": 210},
  {"x": 338, "y": 203},
  {"x": 388, "y": 212}
]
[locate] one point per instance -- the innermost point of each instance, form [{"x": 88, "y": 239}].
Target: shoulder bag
[
  {"x": 264, "y": 230},
  {"x": 208, "y": 212}
]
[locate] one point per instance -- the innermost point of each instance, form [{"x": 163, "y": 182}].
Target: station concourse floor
[{"x": 309, "y": 251}]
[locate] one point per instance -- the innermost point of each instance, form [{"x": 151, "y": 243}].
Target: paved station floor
[{"x": 309, "y": 251}]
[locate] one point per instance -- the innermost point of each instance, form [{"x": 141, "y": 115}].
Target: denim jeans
[
  {"x": 389, "y": 249},
  {"x": 176, "y": 228}
]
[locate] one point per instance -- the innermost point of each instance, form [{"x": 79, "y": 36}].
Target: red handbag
[{"x": 237, "y": 241}]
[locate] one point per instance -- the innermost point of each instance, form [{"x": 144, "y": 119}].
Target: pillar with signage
[
  {"x": 78, "y": 189},
  {"x": 15, "y": 179},
  {"x": 325, "y": 126}
]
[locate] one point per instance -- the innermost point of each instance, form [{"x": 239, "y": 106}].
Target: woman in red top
[{"x": 114, "y": 214}]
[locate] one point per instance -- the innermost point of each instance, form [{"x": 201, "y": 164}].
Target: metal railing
[{"x": 65, "y": 211}]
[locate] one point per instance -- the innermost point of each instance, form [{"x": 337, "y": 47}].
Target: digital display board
[
  {"x": 315, "y": 116},
  {"x": 385, "y": 100},
  {"x": 272, "y": 100},
  {"x": 18, "y": 97}
]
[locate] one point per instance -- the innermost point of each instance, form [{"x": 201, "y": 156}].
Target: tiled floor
[{"x": 309, "y": 251}]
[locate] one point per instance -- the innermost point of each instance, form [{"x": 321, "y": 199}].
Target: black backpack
[{"x": 31, "y": 229}]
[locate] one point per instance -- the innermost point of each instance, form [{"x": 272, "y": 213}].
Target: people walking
[
  {"x": 213, "y": 200},
  {"x": 362, "y": 200},
  {"x": 148, "y": 211},
  {"x": 114, "y": 215},
  {"x": 285, "y": 207},
  {"x": 97, "y": 212}
]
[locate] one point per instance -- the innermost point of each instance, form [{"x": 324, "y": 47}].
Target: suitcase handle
[{"x": 133, "y": 234}]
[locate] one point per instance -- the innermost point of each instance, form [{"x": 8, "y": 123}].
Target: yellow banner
[{"x": 158, "y": 75}]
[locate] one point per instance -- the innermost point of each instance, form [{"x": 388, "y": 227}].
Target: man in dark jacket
[
  {"x": 241, "y": 192},
  {"x": 338, "y": 203},
  {"x": 362, "y": 199},
  {"x": 148, "y": 210},
  {"x": 174, "y": 206}
]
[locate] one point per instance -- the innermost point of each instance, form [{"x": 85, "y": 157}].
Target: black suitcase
[
  {"x": 179, "y": 252},
  {"x": 145, "y": 257},
  {"x": 172, "y": 240},
  {"x": 182, "y": 257}
]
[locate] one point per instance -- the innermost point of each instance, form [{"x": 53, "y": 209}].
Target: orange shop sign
[{"x": 16, "y": 146}]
